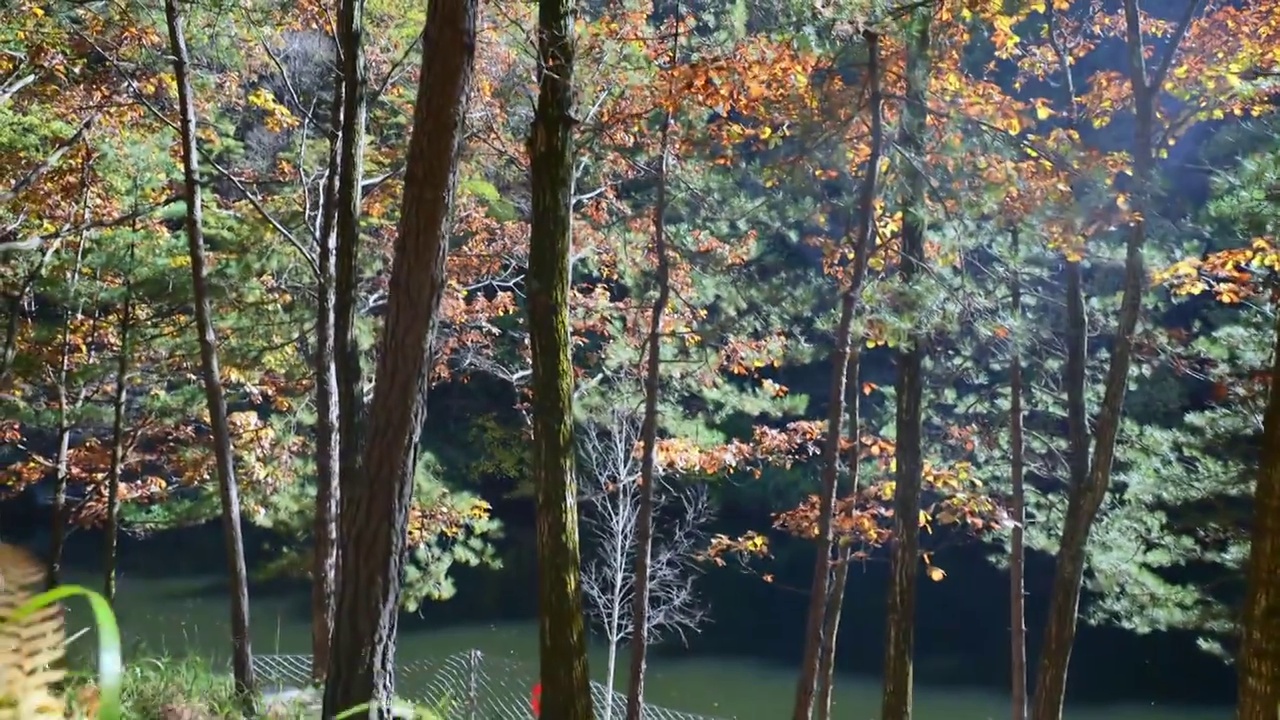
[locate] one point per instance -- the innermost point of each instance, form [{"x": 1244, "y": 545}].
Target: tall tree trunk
[
  {"x": 1086, "y": 498},
  {"x": 348, "y": 370},
  {"x": 119, "y": 407},
  {"x": 375, "y": 512},
  {"x": 816, "y": 635},
  {"x": 1017, "y": 503},
  {"x": 60, "y": 514},
  {"x": 1259, "y": 662},
  {"x": 324, "y": 573},
  {"x": 649, "y": 439},
  {"x": 242, "y": 655},
  {"x": 844, "y": 555},
  {"x": 900, "y": 618},
  {"x": 562, "y": 640}
]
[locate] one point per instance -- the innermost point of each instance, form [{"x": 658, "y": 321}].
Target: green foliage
[{"x": 464, "y": 537}]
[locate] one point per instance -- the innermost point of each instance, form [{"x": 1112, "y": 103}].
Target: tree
[
  {"x": 119, "y": 410},
  {"x": 824, "y": 599},
  {"x": 1017, "y": 509},
  {"x": 562, "y": 641},
  {"x": 900, "y": 618},
  {"x": 68, "y": 403},
  {"x": 1259, "y": 659},
  {"x": 1089, "y": 489},
  {"x": 645, "y": 573},
  {"x": 375, "y": 513},
  {"x": 1242, "y": 278},
  {"x": 610, "y": 518},
  {"x": 242, "y": 657},
  {"x": 337, "y": 357}
]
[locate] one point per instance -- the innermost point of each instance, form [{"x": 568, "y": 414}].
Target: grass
[
  {"x": 161, "y": 688},
  {"x": 188, "y": 688},
  {"x": 155, "y": 688}
]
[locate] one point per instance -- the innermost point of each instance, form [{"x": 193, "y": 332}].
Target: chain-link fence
[{"x": 467, "y": 686}]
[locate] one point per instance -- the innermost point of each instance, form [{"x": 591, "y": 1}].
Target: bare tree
[{"x": 611, "y": 498}]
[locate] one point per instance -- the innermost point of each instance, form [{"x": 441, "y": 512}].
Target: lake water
[{"x": 186, "y": 614}]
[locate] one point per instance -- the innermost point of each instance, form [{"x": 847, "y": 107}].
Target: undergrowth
[
  {"x": 167, "y": 688},
  {"x": 33, "y": 649}
]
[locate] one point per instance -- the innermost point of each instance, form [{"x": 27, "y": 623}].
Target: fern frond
[{"x": 31, "y": 648}]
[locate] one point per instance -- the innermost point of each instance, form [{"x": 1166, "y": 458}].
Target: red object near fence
[{"x": 536, "y": 700}]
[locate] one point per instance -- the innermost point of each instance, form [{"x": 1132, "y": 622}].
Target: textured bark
[
  {"x": 350, "y": 374},
  {"x": 649, "y": 440},
  {"x": 1017, "y": 507},
  {"x": 119, "y": 408},
  {"x": 1086, "y": 497},
  {"x": 375, "y": 512},
  {"x": 562, "y": 640},
  {"x": 904, "y": 558},
  {"x": 242, "y": 653},
  {"x": 324, "y": 573},
  {"x": 815, "y": 624},
  {"x": 1259, "y": 660}
]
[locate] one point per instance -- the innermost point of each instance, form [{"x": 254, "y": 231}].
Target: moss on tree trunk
[{"x": 562, "y": 641}]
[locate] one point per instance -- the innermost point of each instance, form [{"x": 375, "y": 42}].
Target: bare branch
[{"x": 611, "y": 509}]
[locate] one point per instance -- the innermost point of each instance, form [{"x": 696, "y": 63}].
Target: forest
[{"x": 769, "y": 295}]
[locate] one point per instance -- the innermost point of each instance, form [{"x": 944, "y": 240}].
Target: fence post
[{"x": 473, "y": 684}]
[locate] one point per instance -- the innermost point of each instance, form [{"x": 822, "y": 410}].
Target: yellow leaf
[{"x": 935, "y": 573}]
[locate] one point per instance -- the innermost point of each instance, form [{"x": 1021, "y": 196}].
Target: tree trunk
[
  {"x": 562, "y": 640},
  {"x": 10, "y": 349},
  {"x": 835, "y": 599},
  {"x": 612, "y": 669},
  {"x": 60, "y": 514},
  {"x": 1086, "y": 497},
  {"x": 1017, "y": 506},
  {"x": 830, "y": 632},
  {"x": 242, "y": 655},
  {"x": 900, "y": 618},
  {"x": 1259, "y": 661},
  {"x": 350, "y": 375},
  {"x": 841, "y": 365},
  {"x": 649, "y": 440},
  {"x": 375, "y": 512},
  {"x": 118, "y": 410},
  {"x": 324, "y": 574}
]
